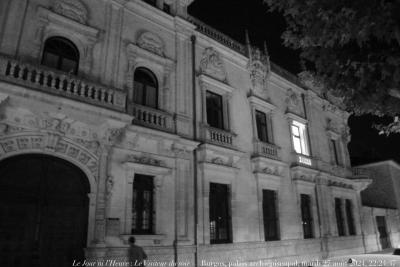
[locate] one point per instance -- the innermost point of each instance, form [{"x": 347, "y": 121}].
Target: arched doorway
[{"x": 43, "y": 211}]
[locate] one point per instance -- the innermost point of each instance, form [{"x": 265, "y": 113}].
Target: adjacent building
[
  {"x": 380, "y": 216},
  {"x": 128, "y": 117}
]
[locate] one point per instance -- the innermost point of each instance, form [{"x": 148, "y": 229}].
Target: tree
[{"x": 352, "y": 47}]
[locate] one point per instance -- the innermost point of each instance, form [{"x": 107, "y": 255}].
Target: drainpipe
[{"x": 195, "y": 178}]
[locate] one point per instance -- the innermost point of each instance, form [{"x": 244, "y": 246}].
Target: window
[
  {"x": 61, "y": 54},
  {"x": 262, "y": 130},
  {"x": 350, "y": 219},
  {"x": 335, "y": 151},
  {"x": 145, "y": 91},
  {"x": 214, "y": 110},
  {"x": 142, "y": 205},
  {"x": 270, "y": 215},
  {"x": 220, "y": 221},
  {"x": 306, "y": 216},
  {"x": 299, "y": 138},
  {"x": 339, "y": 216}
]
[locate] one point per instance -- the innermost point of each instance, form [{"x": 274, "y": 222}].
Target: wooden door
[{"x": 43, "y": 212}]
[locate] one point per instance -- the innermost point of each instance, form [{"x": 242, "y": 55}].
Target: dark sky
[{"x": 232, "y": 17}]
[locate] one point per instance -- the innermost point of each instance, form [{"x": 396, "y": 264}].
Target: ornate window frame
[
  {"x": 258, "y": 104},
  {"x": 83, "y": 36},
  {"x": 336, "y": 137},
  {"x": 159, "y": 173},
  {"x": 214, "y": 173},
  {"x": 142, "y": 55},
  {"x": 215, "y": 86}
]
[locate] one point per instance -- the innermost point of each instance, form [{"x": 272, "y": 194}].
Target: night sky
[{"x": 233, "y": 17}]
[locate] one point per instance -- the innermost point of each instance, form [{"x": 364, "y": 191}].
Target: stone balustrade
[
  {"x": 218, "y": 136},
  {"x": 56, "y": 82},
  {"x": 303, "y": 160},
  {"x": 266, "y": 150},
  {"x": 217, "y": 35},
  {"x": 153, "y": 118}
]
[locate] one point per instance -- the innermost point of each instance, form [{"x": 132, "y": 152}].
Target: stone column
[{"x": 100, "y": 213}]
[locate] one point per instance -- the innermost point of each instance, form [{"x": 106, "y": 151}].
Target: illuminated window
[{"x": 299, "y": 138}]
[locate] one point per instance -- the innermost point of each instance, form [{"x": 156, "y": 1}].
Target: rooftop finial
[{"x": 248, "y": 43}]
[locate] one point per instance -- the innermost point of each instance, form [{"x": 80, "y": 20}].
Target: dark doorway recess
[
  {"x": 383, "y": 234},
  {"x": 43, "y": 211}
]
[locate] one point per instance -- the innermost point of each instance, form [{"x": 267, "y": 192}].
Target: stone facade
[{"x": 90, "y": 120}]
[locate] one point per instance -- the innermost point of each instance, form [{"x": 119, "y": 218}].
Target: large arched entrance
[{"x": 43, "y": 211}]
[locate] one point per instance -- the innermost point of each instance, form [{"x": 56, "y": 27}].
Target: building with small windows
[
  {"x": 380, "y": 212},
  {"x": 125, "y": 118}
]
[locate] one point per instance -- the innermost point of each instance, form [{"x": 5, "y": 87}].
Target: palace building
[{"x": 123, "y": 118}]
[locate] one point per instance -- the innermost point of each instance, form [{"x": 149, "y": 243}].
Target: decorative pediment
[
  {"x": 259, "y": 68},
  {"x": 294, "y": 103},
  {"x": 211, "y": 64},
  {"x": 73, "y": 9},
  {"x": 151, "y": 42}
]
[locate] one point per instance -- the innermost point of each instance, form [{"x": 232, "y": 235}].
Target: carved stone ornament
[
  {"x": 145, "y": 160},
  {"x": 151, "y": 42},
  {"x": 293, "y": 102},
  {"x": 73, "y": 9},
  {"x": 109, "y": 186},
  {"x": 212, "y": 64},
  {"x": 292, "y": 99},
  {"x": 346, "y": 136},
  {"x": 340, "y": 184},
  {"x": 271, "y": 171},
  {"x": 258, "y": 67}
]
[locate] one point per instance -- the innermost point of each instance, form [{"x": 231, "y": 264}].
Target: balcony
[
  {"x": 152, "y": 118},
  {"x": 266, "y": 150},
  {"x": 54, "y": 82},
  {"x": 302, "y": 160},
  {"x": 218, "y": 136}
]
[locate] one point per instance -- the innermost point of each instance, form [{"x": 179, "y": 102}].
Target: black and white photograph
[{"x": 199, "y": 133}]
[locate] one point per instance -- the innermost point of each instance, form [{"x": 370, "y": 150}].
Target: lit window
[
  {"x": 61, "y": 54},
  {"x": 145, "y": 88},
  {"x": 299, "y": 138}
]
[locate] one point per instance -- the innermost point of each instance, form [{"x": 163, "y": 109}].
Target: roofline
[{"x": 389, "y": 162}]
